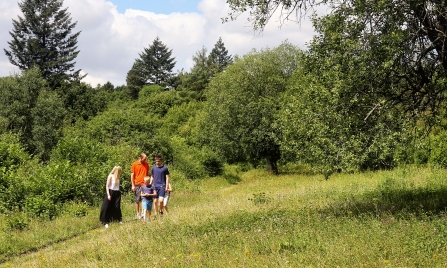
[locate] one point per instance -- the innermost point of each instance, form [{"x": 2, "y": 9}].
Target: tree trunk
[{"x": 273, "y": 168}]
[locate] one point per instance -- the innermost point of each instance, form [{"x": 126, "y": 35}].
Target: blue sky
[{"x": 157, "y": 6}]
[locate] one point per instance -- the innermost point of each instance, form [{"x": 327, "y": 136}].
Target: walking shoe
[
  {"x": 139, "y": 216},
  {"x": 161, "y": 213}
]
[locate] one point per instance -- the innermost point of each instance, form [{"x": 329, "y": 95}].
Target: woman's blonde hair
[{"x": 116, "y": 171}]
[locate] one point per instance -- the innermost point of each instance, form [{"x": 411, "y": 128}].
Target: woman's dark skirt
[{"x": 111, "y": 209}]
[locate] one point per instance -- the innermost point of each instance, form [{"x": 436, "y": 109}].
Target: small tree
[
  {"x": 135, "y": 80},
  {"x": 42, "y": 37},
  {"x": 219, "y": 56},
  {"x": 154, "y": 67},
  {"x": 241, "y": 106}
]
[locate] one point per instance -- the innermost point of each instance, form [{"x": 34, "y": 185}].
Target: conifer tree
[
  {"x": 42, "y": 38},
  {"x": 135, "y": 80},
  {"x": 219, "y": 56},
  {"x": 157, "y": 64}
]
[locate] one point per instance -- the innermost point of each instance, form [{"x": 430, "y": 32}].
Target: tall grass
[{"x": 383, "y": 219}]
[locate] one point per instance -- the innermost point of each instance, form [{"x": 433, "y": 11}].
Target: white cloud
[{"x": 110, "y": 41}]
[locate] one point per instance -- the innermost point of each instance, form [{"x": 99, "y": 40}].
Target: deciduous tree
[
  {"x": 399, "y": 45},
  {"x": 241, "y": 105}
]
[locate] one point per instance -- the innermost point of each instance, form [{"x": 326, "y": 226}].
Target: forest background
[{"x": 367, "y": 94}]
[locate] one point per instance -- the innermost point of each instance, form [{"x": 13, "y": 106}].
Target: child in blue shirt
[{"x": 147, "y": 194}]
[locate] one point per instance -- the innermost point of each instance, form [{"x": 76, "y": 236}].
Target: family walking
[{"x": 151, "y": 189}]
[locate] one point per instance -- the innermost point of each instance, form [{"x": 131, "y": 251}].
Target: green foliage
[
  {"x": 159, "y": 104},
  {"x": 149, "y": 91},
  {"x": 319, "y": 130},
  {"x": 19, "y": 95},
  {"x": 187, "y": 159},
  {"x": 438, "y": 152},
  {"x": 12, "y": 154},
  {"x": 12, "y": 192},
  {"x": 241, "y": 104},
  {"x": 116, "y": 125},
  {"x": 40, "y": 206},
  {"x": 76, "y": 209},
  {"x": 79, "y": 150},
  {"x": 260, "y": 198},
  {"x": 16, "y": 221},
  {"x": 213, "y": 165},
  {"x": 48, "y": 116},
  {"x": 43, "y": 38},
  {"x": 135, "y": 80},
  {"x": 153, "y": 67},
  {"x": 231, "y": 178},
  {"x": 219, "y": 56},
  {"x": 82, "y": 101}
]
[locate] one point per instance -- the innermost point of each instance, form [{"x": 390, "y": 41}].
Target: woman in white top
[{"x": 111, "y": 206}]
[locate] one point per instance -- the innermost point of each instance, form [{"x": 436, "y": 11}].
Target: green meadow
[{"x": 378, "y": 219}]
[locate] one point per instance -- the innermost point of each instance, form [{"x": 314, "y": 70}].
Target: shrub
[
  {"x": 260, "y": 198},
  {"x": 16, "y": 222},
  {"x": 438, "y": 154},
  {"x": 11, "y": 152},
  {"x": 41, "y": 207},
  {"x": 76, "y": 209}
]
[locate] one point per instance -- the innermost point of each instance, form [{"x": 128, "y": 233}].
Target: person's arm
[
  {"x": 169, "y": 187},
  {"x": 109, "y": 180},
  {"x": 132, "y": 180},
  {"x": 154, "y": 193},
  {"x": 167, "y": 182},
  {"x": 152, "y": 177}
]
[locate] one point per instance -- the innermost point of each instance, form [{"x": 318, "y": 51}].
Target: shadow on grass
[
  {"x": 399, "y": 202},
  {"x": 232, "y": 178}
]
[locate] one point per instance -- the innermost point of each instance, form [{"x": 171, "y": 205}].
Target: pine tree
[
  {"x": 42, "y": 37},
  {"x": 157, "y": 64},
  {"x": 135, "y": 80},
  {"x": 219, "y": 56}
]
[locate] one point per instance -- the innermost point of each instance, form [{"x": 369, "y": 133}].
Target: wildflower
[{"x": 247, "y": 252}]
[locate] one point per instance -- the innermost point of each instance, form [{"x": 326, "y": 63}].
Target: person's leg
[
  {"x": 149, "y": 209},
  {"x": 161, "y": 198},
  {"x": 165, "y": 202},
  {"x": 161, "y": 195},
  {"x": 137, "y": 202},
  {"x": 156, "y": 205},
  {"x": 103, "y": 215},
  {"x": 144, "y": 205},
  {"x": 119, "y": 215}
]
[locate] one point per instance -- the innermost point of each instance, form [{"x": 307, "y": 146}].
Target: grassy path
[{"x": 265, "y": 221}]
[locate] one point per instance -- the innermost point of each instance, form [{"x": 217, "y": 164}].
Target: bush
[
  {"x": 41, "y": 207},
  {"x": 438, "y": 154},
  {"x": 16, "y": 221},
  {"x": 11, "y": 152},
  {"x": 76, "y": 209}
]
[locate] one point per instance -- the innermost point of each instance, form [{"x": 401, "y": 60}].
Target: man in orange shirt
[{"x": 139, "y": 170}]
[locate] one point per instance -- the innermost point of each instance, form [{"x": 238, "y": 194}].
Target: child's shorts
[
  {"x": 166, "y": 199},
  {"x": 147, "y": 204}
]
